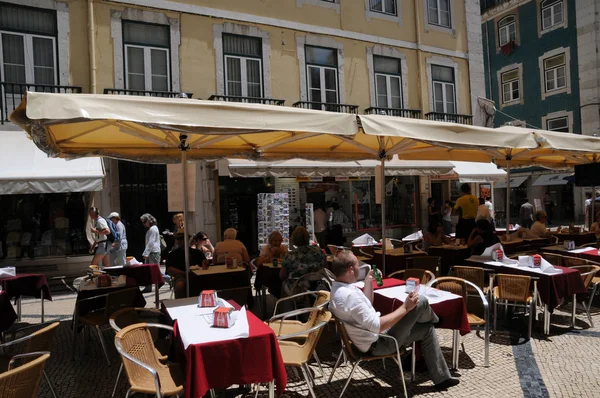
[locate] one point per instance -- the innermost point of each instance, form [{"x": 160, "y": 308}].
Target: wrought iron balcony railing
[
  {"x": 144, "y": 93},
  {"x": 322, "y": 106},
  {"x": 410, "y": 113},
  {"x": 449, "y": 117},
  {"x": 13, "y": 93},
  {"x": 249, "y": 100}
]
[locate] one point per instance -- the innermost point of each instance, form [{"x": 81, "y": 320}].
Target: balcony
[
  {"x": 449, "y": 117},
  {"x": 143, "y": 93},
  {"x": 248, "y": 100},
  {"x": 322, "y": 106},
  {"x": 13, "y": 93},
  {"x": 409, "y": 113}
]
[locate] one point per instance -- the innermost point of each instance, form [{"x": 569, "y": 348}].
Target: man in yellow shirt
[{"x": 467, "y": 204}]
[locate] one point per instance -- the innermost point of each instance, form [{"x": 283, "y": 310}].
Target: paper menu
[{"x": 490, "y": 250}]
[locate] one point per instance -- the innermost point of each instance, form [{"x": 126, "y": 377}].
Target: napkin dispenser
[
  {"x": 222, "y": 317},
  {"x": 208, "y": 298},
  {"x": 407, "y": 248},
  {"x": 537, "y": 261},
  {"x": 103, "y": 280},
  {"x": 412, "y": 285},
  {"x": 498, "y": 255},
  {"x": 231, "y": 262}
]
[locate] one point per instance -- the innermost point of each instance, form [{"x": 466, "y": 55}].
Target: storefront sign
[
  {"x": 352, "y": 178},
  {"x": 309, "y": 179}
]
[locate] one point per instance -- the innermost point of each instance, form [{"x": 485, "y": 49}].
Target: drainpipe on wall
[
  {"x": 487, "y": 50},
  {"x": 92, "y": 46},
  {"x": 419, "y": 63}
]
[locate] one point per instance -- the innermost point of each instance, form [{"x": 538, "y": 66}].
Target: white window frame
[
  {"x": 320, "y": 41},
  {"x": 444, "y": 99},
  {"x": 565, "y": 118},
  {"x": 541, "y": 63},
  {"x": 552, "y": 8},
  {"x": 506, "y": 28},
  {"x": 383, "y": 6},
  {"x": 147, "y": 66},
  {"x": 389, "y": 52},
  {"x": 322, "y": 83},
  {"x": 443, "y": 61},
  {"x": 559, "y": 115},
  {"x": 244, "y": 74},
  {"x": 388, "y": 83},
  {"x": 554, "y": 74},
  {"x": 450, "y": 17},
  {"x": 506, "y": 69},
  {"x": 28, "y": 52},
  {"x": 510, "y": 85},
  {"x": 333, "y": 5},
  {"x": 540, "y": 22}
]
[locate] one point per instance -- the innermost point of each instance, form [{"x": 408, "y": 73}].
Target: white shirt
[
  {"x": 100, "y": 224},
  {"x": 490, "y": 207},
  {"x": 152, "y": 241},
  {"x": 350, "y": 305}
]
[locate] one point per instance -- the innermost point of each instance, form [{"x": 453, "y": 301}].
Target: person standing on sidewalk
[
  {"x": 152, "y": 251},
  {"x": 118, "y": 252},
  {"x": 467, "y": 205},
  {"x": 100, "y": 232},
  {"x": 526, "y": 214}
]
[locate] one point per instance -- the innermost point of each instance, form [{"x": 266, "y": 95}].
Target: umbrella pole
[
  {"x": 383, "y": 215},
  {"x": 507, "y": 199},
  {"x": 186, "y": 243},
  {"x": 592, "y": 216}
]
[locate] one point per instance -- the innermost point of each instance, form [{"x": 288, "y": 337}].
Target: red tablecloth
[
  {"x": 552, "y": 288},
  {"x": 452, "y": 313},
  {"x": 144, "y": 274},
  {"x": 388, "y": 282},
  {"x": 26, "y": 285},
  {"x": 7, "y": 313},
  {"x": 220, "y": 364}
]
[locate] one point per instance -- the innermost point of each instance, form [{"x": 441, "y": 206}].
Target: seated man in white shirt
[
  {"x": 539, "y": 226},
  {"x": 412, "y": 321}
]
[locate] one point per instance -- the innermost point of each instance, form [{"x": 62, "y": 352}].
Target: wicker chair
[
  {"x": 282, "y": 324},
  {"x": 475, "y": 275},
  {"x": 38, "y": 341},
  {"x": 297, "y": 354},
  {"x": 462, "y": 287},
  {"x": 429, "y": 263},
  {"x": 588, "y": 273},
  {"x": 23, "y": 381},
  {"x": 356, "y": 356},
  {"x": 422, "y": 274},
  {"x": 513, "y": 290},
  {"x": 131, "y": 316},
  {"x": 114, "y": 301},
  {"x": 554, "y": 259},
  {"x": 573, "y": 261},
  {"x": 146, "y": 373},
  {"x": 367, "y": 251}
]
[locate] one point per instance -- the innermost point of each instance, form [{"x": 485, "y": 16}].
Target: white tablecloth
[{"x": 433, "y": 295}]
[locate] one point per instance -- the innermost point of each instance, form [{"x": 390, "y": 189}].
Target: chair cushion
[
  {"x": 171, "y": 381},
  {"x": 474, "y": 320}
]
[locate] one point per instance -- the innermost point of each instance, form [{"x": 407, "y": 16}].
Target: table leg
[
  {"x": 455, "y": 342},
  {"x": 272, "y": 389},
  {"x": 19, "y": 308},
  {"x": 574, "y": 311},
  {"x": 42, "y": 295},
  {"x": 546, "y": 320},
  {"x": 156, "y": 298}
]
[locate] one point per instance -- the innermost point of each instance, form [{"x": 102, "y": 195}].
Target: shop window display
[{"x": 43, "y": 225}]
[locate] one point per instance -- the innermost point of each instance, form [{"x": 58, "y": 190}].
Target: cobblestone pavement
[{"x": 563, "y": 364}]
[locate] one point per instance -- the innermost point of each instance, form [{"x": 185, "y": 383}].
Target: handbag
[{"x": 163, "y": 244}]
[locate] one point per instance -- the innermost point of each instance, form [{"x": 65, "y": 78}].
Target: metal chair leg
[
  {"x": 349, "y": 378},
  {"x": 531, "y": 312},
  {"x": 335, "y": 366},
  {"x": 49, "y": 384},
  {"x": 128, "y": 392},
  {"x": 212, "y": 393},
  {"x": 495, "y": 313},
  {"x": 413, "y": 364},
  {"x": 399, "y": 361},
  {"x": 117, "y": 381},
  {"x": 103, "y": 344},
  {"x": 316, "y": 357},
  {"x": 308, "y": 383},
  {"x": 574, "y": 311}
]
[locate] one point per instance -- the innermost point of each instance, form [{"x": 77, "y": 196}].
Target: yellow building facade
[{"x": 411, "y": 58}]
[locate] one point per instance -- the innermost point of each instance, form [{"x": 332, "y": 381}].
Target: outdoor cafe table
[
  {"x": 580, "y": 239},
  {"x": 220, "y": 364},
  {"x": 451, "y": 255},
  {"x": 450, "y": 309},
  {"x": 218, "y": 277},
  {"x": 33, "y": 285},
  {"x": 7, "y": 312},
  {"x": 551, "y": 287},
  {"x": 395, "y": 259},
  {"x": 512, "y": 246},
  {"x": 89, "y": 290},
  {"x": 144, "y": 275},
  {"x": 587, "y": 253},
  {"x": 267, "y": 276}
]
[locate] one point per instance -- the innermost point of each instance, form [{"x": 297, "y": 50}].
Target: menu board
[
  {"x": 310, "y": 221},
  {"x": 273, "y": 215}
]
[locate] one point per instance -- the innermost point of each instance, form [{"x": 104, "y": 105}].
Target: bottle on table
[{"x": 377, "y": 274}]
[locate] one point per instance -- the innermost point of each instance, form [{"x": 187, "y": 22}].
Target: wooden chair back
[
  {"x": 513, "y": 287},
  {"x": 429, "y": 263},
  {"x": 452, "y": 285},
  {"x": 475, "y": 275},
  {"x": 422, "y": 275},
  {"x": 573, "y": 261},
  {"x": 119, "y": 300}
]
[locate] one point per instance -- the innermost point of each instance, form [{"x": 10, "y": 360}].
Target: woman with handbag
[{"x": 153, "y": 243}]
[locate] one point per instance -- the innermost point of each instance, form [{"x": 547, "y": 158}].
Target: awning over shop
[
  {"x": 515, "y": 182},
  {"x": 552, "y": 179},
  {"x": 24, "y": 169},
  {"x": 304, "y": 168},
  {"x": 471, "y": 172}
]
